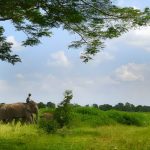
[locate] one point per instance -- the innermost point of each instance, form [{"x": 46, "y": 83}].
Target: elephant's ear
[{"x": 28, "y": 108}]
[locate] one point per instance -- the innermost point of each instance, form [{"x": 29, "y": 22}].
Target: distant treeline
[
  {"x": 124, "y": 107},
  {"x": 120, "y": 106}
]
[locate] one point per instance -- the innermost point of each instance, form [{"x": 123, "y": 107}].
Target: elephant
[
  {"x": 23, "y": 111},
  {"x": 47, "y": 116},
  {"x": 32, "y": 107}
]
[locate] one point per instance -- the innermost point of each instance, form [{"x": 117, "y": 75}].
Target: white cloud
[
  {"x": 137, "y": 38},
  {"x": 135, "y": 7},
  {"x": 59, "y": 59},
  {"x": 16, "y": 45},
  {"x": 120, "y": 2},
  {"x": 3, "y": 86},
  {"x": 19, "y": 76},
  {"x": 130, "y": 72},
  {"x": 106, "y": 81},
  {"x": 102, "y": 57}
]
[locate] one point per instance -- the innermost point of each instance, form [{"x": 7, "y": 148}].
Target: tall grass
[
  {"x": 130, "y": 118},
  {"x": 93, "y": 117},
  {"x": 88, "y": 116},
  {"x": 90, "y": 129},
  {"x": 116, "y": 137}
]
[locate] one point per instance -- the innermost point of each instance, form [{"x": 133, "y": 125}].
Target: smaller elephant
[{"x": 47, "y": 116}]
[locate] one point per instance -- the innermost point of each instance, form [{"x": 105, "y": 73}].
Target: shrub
[
  {"x": 128, "y": 118},
  {"x": 41, "y": 105},
  {"x": 88, "y": 110},
  {"x": 50, "y": 126},
  {"x": 50, "y": 105},
  {"x": 90, "y": 116},
  {"x": 62, "y": 114}
]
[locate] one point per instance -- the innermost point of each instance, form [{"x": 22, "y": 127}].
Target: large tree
[{"x": 93, "y": 20}]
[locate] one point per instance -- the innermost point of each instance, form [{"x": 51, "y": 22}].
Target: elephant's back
[
  {"x": 14, "y": 110},
  {"x": 3, "y": 108}
]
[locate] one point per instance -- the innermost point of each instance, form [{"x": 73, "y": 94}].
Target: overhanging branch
[{"x": 4, "y": 19}]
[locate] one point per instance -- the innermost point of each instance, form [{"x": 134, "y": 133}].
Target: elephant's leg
[
  {"x": 4, "y": 121},
  {"x": 29, "y": 118},
  {"x": 34, "y": 120},
  {"x": 10, "y": 120},
  {"x": 16, "y": 120},
  {"x": 23, "y": 120}
]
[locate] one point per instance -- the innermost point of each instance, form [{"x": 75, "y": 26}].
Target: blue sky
[{"x": 120, "y": 73}]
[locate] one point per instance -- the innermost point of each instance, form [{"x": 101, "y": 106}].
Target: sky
[{"x": 120, "y": 73}]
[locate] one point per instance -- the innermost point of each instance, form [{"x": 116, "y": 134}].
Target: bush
[
  {"x": 51, "y": 105},
  {"x": 88, "y": 110},
  {"x": 62, "y": 114},
  {"x": 89, "y": 116},
  {"x": 128, "y": 118},
  {"x": 50, "y": 126},
  {"x": 41, "y": 105}
]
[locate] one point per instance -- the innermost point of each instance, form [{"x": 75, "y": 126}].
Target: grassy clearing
[
  {"x": 90, "y": 129},
  {"x": 86, "y": 116},
  {"x": 114, "y": 137},
  {"x": 93, "y": 117}
]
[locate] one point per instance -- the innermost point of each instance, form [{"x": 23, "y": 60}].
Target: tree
[
  {"x": 41, "y": 105},
  {"x": 129, "y": 107},
  {"x": 95, "y": 105},
  {"x": 93, "y": 20},
  {"x": 63, "y": 111},
  {"x": 50, "y": 105},
  {"x": 139, "y": 108},
  {"x": 119, "y": 106},
  {"x": 105, "y": 107}
]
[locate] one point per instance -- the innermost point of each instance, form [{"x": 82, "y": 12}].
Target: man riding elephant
[
  {"x": 32, "y": 109},
  {"x": 28, "y": 98},
  {"x": 23, "y": 111}
]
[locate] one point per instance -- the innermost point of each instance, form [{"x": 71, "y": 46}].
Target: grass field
[
  {"x": 88, "y": 131},
  {"x": 116, "y": 137}
]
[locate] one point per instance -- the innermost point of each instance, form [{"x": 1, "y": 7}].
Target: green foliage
[
  {"x": 93, "y": 21},
  {"x": 119, "y": 137},
  {"x": 125, "y": 107},
  {"x": 137, "y": 119},
  {"x": 105, "y": 107},
  {"x": 86, "y": 134},
  {"x": 93, "y": 117},
  {"x": 63, "y": 112},
  {"x": 49, "y": 126},
  {"x": 41, "y": 105},
  {"x": 5, "y": 49},
  {"x": 46, "y": 124},
  {"x": 89, "y": 116},
  {"x": 50, "y": 105},
  {"x": 95, "y": 105},
  {"x": 45, "y": 110},
  {"x": 88, "y": 110}
]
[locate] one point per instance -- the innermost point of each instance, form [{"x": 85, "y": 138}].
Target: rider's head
[{"x": 29, "y": 94}]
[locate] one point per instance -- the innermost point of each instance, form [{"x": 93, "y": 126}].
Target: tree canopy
[{"x": 93, "y": 20}]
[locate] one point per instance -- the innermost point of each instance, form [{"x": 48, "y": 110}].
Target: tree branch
[
  {"x": 106, "y": 13},
  {"x": 4, "y": 19}
]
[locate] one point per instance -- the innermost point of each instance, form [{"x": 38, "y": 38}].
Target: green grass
[
  {"x": 90, "y": 129},
  {"x": 112, "y": 137},
  {"x": 92, "y": 117},
  {"x": 45, "y": 110}
]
